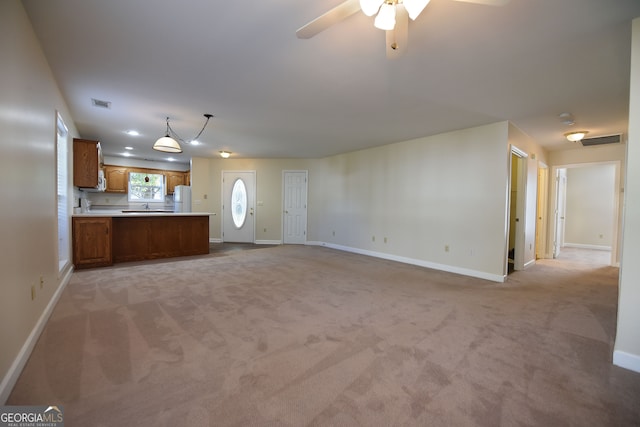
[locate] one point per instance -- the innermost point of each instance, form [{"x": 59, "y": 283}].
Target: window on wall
[
  {"x": 62, "y": 184},
  {"x": 146, "y": 187}
]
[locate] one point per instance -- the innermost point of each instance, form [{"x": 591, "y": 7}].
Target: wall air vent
[
  {"x": 611, "y": 139},
  {"x": 100, "y": 104}
]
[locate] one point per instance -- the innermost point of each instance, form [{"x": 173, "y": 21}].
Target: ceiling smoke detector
[{"x": 567, "y": 119}]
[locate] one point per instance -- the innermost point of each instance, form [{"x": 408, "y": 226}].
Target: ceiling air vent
[
  {"x": 611, "y": 139},
  {"x": 101, "y": 104}
]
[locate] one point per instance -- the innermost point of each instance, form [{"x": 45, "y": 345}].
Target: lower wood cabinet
[
  {"x": 140, "y": 238},
  {"x": 92, "y": 241},
  {"x": 102, "y": 241}
]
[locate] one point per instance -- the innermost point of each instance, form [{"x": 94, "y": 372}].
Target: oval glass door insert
[{"x": 239, "y": 203}]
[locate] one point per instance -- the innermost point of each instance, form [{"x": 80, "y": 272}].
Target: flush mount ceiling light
[
  {"x": 576, "y": 136},
  {"x": 169, "y": 142},
  {"x": 225, "y": 154}
]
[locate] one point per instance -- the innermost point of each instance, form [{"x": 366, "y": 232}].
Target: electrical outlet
[
  {"x": 265, "y": 230},
  {"x": 41, "y": 281},
  {"x": 446, "y": 248},
  {"x": 373, "y": 238},
  {"x": 333, "y": 233},
  {"x": 33, "y": 292}
]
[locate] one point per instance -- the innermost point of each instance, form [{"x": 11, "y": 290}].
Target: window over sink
[{"x": 146, "y": 187}]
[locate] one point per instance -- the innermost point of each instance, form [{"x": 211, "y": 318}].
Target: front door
[
  {"x": 238, "y": 202},
  {"x": 295, "y": 207}
]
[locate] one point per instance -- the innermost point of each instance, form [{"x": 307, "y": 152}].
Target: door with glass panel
[{"x": 238, "y": 206}]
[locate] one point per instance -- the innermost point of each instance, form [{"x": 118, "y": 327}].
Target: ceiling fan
[{"x": 391, "y": 16}]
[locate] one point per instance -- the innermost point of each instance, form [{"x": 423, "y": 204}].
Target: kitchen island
[{"x": 101, "y": 239}]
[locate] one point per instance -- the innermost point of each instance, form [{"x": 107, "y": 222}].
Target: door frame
[
  {"x": 251, "y": 200},
  {"x": 520, "y": 209},
  {"x": 617, "y": 209}
]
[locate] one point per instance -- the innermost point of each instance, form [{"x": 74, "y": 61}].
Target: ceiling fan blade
[
  {"x": 328, "y": 19},
  {"x": 397, "y": 38},
  {"x": 487, "y": 2}
]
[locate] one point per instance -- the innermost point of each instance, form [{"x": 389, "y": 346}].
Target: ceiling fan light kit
[
  {"x": 392, "y": 16},
  {"x": 386, "y": 18}
]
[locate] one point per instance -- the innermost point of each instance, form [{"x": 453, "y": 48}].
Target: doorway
[
  {"x": 238, "y": 206},
  {"x": 586, "y": 211}
]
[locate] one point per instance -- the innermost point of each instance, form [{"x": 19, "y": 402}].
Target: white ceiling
[{"x": 274, "y": 95}]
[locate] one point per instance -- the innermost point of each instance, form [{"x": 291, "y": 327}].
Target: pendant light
[
  {"x": 166, "y": 144},
  {"x": 169, "y": 142}
]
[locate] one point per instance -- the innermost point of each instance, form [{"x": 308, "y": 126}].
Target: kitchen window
[{"x": 146, "y": 187}]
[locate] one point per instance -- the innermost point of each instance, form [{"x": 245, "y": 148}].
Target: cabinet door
[
  {"x": 92, "y": 238},
  {"x": 85, "y": 163},
  {"x": 173, "y": 179},
  {"x": 117, "y": 179}
]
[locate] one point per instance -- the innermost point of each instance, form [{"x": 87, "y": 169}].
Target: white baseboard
[
  {"x": 215, "y": 240},
  {"x": 268, "y": 242},
  {"x": 9, "y": 381},
  {"x": 413, "y": 261},
  {"x": 582, "y": 246},
  {"x": 626, "y": 360}
]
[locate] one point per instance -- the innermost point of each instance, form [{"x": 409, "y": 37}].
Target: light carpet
[{"x": 309, "y": 336}]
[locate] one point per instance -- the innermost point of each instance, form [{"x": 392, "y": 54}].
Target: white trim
[
  {"x": 413, "y": 261},
  {"x": 529, "y": 263},
  {"x": 215, "y": 240},
  {"x": 582, "y": 246},
  {"x": 626, "y": 360},
  {"x": 268, "y": 242},
  {"x": 10, "y": 379}
]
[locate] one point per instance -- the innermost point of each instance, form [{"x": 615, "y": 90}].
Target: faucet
[{"x": 146, "y": 206}]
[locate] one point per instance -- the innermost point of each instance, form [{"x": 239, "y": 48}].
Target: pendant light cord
[{"x": 170, "y": 129}]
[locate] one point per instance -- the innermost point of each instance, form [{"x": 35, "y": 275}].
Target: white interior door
[
  {"x": 238, "y": 206},
  {"x": 295, "y": 207},
  {"x": 561, "y": 205}
]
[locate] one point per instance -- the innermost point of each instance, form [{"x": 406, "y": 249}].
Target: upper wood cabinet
[
  {"x": 117, "y": 179},
  {"x": 86, "y": 162},
  {"x": 173, "y": 178}
]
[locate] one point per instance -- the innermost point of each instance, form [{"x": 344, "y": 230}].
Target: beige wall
[
  {"x": 627, "y": 346},
  {"x": 206, "y": 181},
  {"x": 29, "y": 98},
  {"x": 423, "y": 195},
  {"x": 590, "y": 206}
]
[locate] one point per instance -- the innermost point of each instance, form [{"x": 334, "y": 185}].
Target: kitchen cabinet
[
  {"x": 117, "y": 179},
  {"x": 151, "y": 237},
  {"x": 92, "y": 242},
  {"x": 187, "y": 178},
  {"x": 86, "y": 162},
  {"x": 173, "y": 178}
]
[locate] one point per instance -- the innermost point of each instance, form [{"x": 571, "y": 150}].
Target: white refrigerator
[{"x": 182, "y": 198}]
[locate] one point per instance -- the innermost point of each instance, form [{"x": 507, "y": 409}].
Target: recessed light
[
  {"x": 132, "y": 133},
  {"x": 195, "y": 142},
  {"x": 171, "y": 159},
  {"x": 128, "y": 148}
]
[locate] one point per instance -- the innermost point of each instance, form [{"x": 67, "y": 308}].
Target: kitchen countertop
[{"x": 115, "y": 213}]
